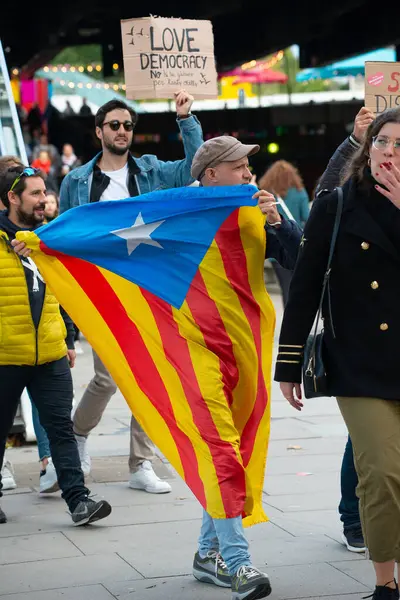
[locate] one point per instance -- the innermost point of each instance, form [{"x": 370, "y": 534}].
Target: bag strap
[
  {"x": 285, "y": 208},
  {"x": 336, "y": 226},
  {"x": 327, "y": 275}
]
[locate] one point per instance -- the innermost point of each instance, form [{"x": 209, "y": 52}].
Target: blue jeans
[
  {"x": 41, "y": 436},
  {"x": 348, "y": 507},
  {"x": 225, "y": 536}
]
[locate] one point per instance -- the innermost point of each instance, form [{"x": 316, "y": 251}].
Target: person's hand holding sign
[
  {"x": 183, "y": 102},
  {"x": 363, "y": 120}
]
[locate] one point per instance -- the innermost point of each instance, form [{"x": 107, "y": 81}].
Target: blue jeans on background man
[
  {"x": 42, "y": 440},
  {"x": 225, "y": 536},
  {"x": 348, "y": 507}
]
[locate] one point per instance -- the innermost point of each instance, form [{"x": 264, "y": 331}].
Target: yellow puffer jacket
[{"x": 20, "y": 342}]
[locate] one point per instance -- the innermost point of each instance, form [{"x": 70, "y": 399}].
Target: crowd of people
[
  {"x": 359, "y": 313},
  {"x": 55, "y": 164}
]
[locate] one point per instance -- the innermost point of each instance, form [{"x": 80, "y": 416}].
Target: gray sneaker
[
  {"x": 250, "y": 584},
  {"x": 3, "y": 518},
  {"x": 89, "y": 511},
  {"x": 211, "y": 569}
]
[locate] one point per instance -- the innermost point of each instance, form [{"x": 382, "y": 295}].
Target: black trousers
[{"x": 50, "y": 388}]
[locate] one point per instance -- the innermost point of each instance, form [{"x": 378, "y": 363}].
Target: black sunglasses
[{"x": 115, "y": 125}]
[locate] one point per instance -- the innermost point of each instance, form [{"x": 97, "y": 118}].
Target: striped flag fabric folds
[{"x": 168, "y": 288}]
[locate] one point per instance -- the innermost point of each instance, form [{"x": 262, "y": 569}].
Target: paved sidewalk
[{"x": 144, "y": 550}]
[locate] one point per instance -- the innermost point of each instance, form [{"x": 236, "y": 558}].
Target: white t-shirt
[{"x": 117, "y": 188}]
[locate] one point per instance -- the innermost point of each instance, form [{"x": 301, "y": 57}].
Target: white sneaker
[
  {"x": 86, "y": 462},
  {"x": 48, "y": 483},
  {"x": 7, "y": 476},
  {"x": 145, "y": 479},
  {"x": 78, "y": 347}
]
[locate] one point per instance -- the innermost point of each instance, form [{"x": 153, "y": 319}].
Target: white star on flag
[{"x": 138, "y": 233}]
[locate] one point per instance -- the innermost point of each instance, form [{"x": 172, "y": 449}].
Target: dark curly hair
[
  {"x": 359, "y": 162},
  {"x": 113, "y": 105}
]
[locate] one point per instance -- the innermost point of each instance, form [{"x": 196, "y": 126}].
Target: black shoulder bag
[{"x": 314, "y": 373}]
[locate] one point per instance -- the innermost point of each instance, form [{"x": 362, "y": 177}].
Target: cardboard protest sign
[
  {"x": 382, "y": 86},
  {"x": 163, "y": 55}
]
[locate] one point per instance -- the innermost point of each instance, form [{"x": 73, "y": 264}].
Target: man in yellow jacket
[{"x": 33, "y": 349}]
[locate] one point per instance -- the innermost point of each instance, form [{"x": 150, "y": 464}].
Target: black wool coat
[{"x": 364, "y": 357}]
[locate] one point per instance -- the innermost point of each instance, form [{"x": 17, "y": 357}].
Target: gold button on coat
[
  {"x": 384, "y": 326},
  {"x": 374, "y": 285},
  {"x": 365, "y": 245}
]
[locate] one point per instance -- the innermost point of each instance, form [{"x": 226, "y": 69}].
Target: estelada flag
[{"x": 169, "y": 290}]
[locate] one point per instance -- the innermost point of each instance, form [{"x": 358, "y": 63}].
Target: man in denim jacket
[
  {"x": 147, "y": 173},
  {"x": 114, "y": 175}
]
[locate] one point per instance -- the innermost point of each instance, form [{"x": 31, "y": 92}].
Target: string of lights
[
  {"x": 98, "y": 86},
  {"x": 72, "y": 69},
  {"x": 268, "y": 64},
  {"x": 264, "y": 64}
]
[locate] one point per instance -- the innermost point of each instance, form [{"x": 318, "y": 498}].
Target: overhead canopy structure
[
  {"x": 85, "y": 86},
  {"x": 352, "y": 66},
  {"x": 260, "y": 77},
  {"x": 256, "y": 74},
  {"x": 243, "y": 31}
]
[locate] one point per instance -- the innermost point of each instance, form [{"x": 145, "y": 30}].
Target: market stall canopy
[
  {"x": 350, "y": 67},
  {"x": 80, "y": 84},
  {"x": 259, "y": 76}
]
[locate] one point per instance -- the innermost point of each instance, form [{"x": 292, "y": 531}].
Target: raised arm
[
  {"x": 331, "y": 177},
  {"x": 177, "y": 173}
]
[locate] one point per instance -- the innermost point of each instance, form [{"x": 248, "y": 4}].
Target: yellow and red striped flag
[{"x": 168, "y": 288}]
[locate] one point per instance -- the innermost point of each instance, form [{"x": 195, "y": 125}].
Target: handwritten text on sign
[
  {"x": 382, "y": 86},
  {"x": 163, "y": 55}
]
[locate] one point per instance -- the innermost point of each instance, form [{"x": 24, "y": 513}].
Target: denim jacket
[{"x": 154, "y": 174}]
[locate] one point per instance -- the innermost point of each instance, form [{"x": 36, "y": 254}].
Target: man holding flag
[
  {"x": 113, "y": 175},
  {"x": 223, "y": 161},
  {"x": 169, "y": 290},
  {"x": 33, "y": 348}
]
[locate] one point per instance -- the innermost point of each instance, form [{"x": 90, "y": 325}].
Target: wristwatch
[{"x": 185, "y": 117}]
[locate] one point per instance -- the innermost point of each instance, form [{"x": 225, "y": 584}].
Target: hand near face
[
  {"x": 389, "y": 176},
  {"x": 267, "y": 205}
]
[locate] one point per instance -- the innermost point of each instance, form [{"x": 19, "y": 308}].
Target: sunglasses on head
[
  {"x": 27, "y": 172},
  {"x": 114, "y": 125}
]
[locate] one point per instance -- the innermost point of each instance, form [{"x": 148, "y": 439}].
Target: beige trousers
[
  {"x": 90, "y": 409},
  {"x": 374, "y": 427}
]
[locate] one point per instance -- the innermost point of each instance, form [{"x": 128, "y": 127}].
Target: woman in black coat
[{"x": 361, "y": 352}]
